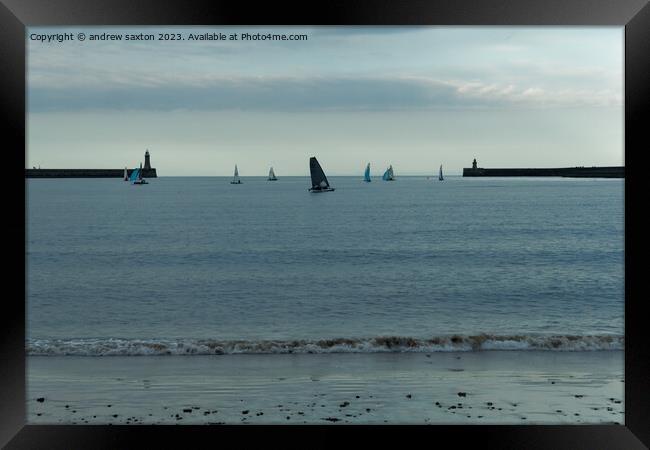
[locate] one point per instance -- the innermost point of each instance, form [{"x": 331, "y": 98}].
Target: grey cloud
[
  {"x": 304, "y": 94},
  {"x": 281, "y": 94}
]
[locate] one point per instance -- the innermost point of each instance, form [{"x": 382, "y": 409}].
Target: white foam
[{"x": 453, "y": 343}]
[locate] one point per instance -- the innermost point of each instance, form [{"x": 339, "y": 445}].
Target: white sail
[
  {"x": 235, "y": 179},
  {"x": 126, "y": 175}
]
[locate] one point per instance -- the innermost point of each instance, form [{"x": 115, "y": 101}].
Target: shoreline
[{"x": 495, "y": 387}]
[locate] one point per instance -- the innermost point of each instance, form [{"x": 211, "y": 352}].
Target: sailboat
[
  {"x": 136, "y": 177},
  {"x": 126, "y": 175},
  {"x": 440, "y": 174},
  {"x": 235, "y": 179},
  {"x": 140, "y": 179},
  {"x": 366, "y": 174},
  {"x": 388, "y": 175},
  {"x": 319, "y": 181},
  {"x": 272, "y": 176}
]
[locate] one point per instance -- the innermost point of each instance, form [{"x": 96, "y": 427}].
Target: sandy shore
[{"x": 493, "y": 387}]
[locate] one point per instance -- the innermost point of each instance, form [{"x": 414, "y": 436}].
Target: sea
[{"x": 198, "y": 266}]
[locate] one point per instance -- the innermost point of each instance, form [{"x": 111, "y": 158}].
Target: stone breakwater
[
  {"x": 85, "y": 173},
  {"x": 572, "y": 172}
]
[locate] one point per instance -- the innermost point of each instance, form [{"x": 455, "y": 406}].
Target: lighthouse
[{"x": 147, "y": 161}]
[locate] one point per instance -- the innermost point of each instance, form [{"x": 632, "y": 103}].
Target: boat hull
[{"x": 320, "y": 190}]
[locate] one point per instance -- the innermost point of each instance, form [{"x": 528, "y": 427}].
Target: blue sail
[
  {"x": 134, "y": 175},
  {"x": 388, "y": 175},
  {"x": 366, "y": 175}
]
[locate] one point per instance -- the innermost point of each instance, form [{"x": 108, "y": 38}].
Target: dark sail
[{"x": 318, "y": 179}]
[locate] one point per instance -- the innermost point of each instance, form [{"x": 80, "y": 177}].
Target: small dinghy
[
  {"x": 236, "y": 179},
  {"x": 389, "y": 175},
  {"x": 366, "y": 174},
  {"x": 136, "y": 177}
]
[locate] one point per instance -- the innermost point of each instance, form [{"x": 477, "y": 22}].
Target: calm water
[{"x": 197, "y": 264}]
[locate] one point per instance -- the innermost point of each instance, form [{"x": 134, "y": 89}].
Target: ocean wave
[{"x": 450, "y": 343}]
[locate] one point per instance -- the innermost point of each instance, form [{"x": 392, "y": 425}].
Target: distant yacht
[
  {"x": 389, "y": 175},
  {"x": 126, "y": 175},
  {"x": 272, "y": 176},
  {"x": 366, "y": 175},
  {"x": 440, "y": 174},
  {"x": 319, "y": 181},
  {"x": 136, "y": 177},
  {"x": 235, "y": 179}
]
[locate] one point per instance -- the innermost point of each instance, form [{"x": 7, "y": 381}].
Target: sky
[{"x": 413, "y": 97}]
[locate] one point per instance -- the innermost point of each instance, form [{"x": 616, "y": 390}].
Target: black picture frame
[{"x": 15, "y": 15}]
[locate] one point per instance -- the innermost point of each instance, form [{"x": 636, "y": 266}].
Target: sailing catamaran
[
  {"x": 388, "y": 175},
  {"x": 235, "y": 179},
  {"x": 440, "y": 174},
  {"x": 272, "y": 176},
  {"x": 366, "y": 174},
  {"x": 319, "y": 181}
]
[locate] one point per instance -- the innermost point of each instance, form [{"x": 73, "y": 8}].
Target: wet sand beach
[{"x": 491, "y": 387}]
